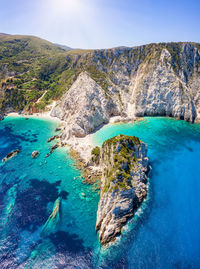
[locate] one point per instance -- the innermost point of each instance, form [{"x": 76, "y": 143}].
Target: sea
[{"x": 48, "y": 215}]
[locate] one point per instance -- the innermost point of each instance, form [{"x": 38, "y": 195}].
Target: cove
[{"x": 30, "y": 237}]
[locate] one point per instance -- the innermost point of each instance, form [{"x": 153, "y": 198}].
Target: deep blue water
[{"x": 165, "y": 233}]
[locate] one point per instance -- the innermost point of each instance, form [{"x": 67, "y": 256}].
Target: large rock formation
[
  {"x": 84, "y": 107},
  {"x": 124, "y": 163},
  {"x": 159, "y": 91},
  {"x": 153, "y": 80}
]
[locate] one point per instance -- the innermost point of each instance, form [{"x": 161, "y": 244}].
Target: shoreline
[
  {"x": 45, "y": 115},
  {"x": 83, "y": 145}
]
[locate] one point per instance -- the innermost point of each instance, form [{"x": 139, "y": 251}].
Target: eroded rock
[
  {"x": 153, "y": 80},
  {"x": 10, "y": 155},
  {"x": 53, "y": 138},
  {"x": 124, "y": 164},
  {"x": 35, "y": 154},
  {"x": 53, "y": 148}
]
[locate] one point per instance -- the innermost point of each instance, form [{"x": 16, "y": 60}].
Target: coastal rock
[
  {"x": 84, "y": 107},
  {"x": 53, "y": 138},
  {"x": 1, "y": 116},
  {"x": 35, "y": 154},
  {"x": 58, "y": 129},
  {"x": 10, "y": 155},
  {"x": 152, "y": 80},
  {"x": 160, "y": 92},
  {"x": 53, "y": 148},
  {"x": 124, "y": 163}
]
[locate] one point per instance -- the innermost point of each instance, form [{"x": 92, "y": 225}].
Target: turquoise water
[
  {"x": 47, "y": 215},
  {"x": 28, "y": 193},
  {"x": 167, "y": 235}
]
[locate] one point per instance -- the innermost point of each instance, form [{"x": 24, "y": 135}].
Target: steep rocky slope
[
  {"x": 85, "y": 106},
  {"x": 124, "y": 163},
  {"x": 153, "y": 80}
]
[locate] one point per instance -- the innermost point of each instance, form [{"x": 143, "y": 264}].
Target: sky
[{"x": 93, "y": 24}]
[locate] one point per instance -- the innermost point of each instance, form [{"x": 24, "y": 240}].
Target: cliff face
[
  {"x": 155, "y": 79},
  {"x": 124, "y": 163},
  {"x": 159, "y": 91},
  {"x": 152, "y": 80},
  {"x": 84, "y": 107}
]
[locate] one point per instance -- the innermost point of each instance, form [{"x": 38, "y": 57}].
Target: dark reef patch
[
  {"x": 32, "y": 203},
  {"x": 65, "y": 242},
  {"x": 64, "y": 194},
  {"x": 15, "y": 139}
]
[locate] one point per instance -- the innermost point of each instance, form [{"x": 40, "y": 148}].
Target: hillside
[
  {"x": 28, "y": 67},
  {"x": 151, "y": 80},
  {"x": 154, "y": 79}
]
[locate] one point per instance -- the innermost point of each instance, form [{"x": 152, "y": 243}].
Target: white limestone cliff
[
  {"x": 84, "y": 107},
  {"x": 154, "y": 85},
  {"x": 124, "y": 165}
]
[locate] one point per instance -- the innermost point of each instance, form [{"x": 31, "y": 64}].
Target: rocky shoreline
[
  {"x": 121, "y": 167},
  {"x": 124, "y": 165},
  {"x": 90, "y": 173}
]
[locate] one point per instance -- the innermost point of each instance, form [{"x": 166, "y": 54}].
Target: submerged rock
[
  {"x": 35, "y": 154},
  {"x": 53, "y": 220},
  {"x": 53, "y": 148},
  {"x": 124, "y": 164},
  {"x": 53, "y": 138},
  {"x": 10, "y": 155}
]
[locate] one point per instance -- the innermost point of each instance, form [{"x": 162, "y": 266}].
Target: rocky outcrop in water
[
  {"x": 35, "y": 154},
  {"x": 124, "y": 163},
  {"x": 53, "y": 138},
  {"x": 10, "y": 155},
  {"x": 57, "y": 145}
]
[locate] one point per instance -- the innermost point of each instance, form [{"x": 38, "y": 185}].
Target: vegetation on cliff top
[
  {"x": 33, "y": 69},
  {"x": 118, "y": 154},
  {"x": 96, "y": 154}
]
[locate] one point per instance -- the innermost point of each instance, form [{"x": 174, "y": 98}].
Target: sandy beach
[
  {"x": 44, "y": 115},
  {"x": 82, "y": 145}
]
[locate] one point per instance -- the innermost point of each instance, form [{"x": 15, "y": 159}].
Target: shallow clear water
[
  {"x": 29, "y": 189},
  {"x": 164, "y": 234}
]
